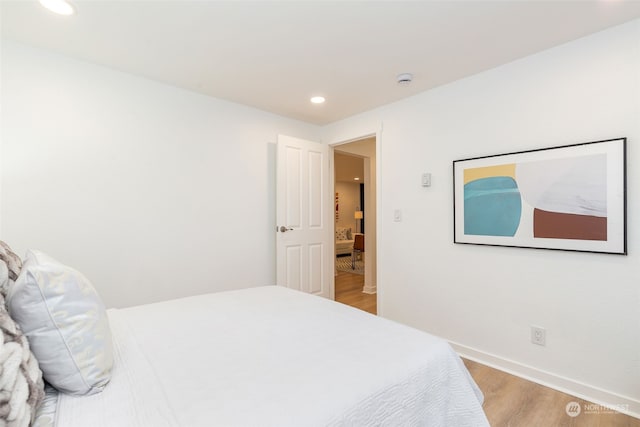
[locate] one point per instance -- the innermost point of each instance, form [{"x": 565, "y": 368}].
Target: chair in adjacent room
[{"x": 358, "y": 249}]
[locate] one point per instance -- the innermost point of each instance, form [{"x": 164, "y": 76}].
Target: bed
[{"x": 270, "y": 356}]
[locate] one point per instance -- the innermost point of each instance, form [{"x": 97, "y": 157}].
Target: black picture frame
[{"x": 569, "y": 198}]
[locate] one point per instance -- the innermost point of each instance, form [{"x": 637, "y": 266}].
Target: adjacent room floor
[
  {"x": 509, "y": 401},
  {"x": 349, "y": 291}
]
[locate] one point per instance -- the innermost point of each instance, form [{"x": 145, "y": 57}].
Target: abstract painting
[{"x": 571, "y": 197}]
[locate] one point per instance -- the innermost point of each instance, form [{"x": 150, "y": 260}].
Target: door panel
[
  {"x": 293, "y": 186},
  {"x": 293, "y": 267},
  {"x": 315, "y": 269},
  {"x": 316, "y": 202}
]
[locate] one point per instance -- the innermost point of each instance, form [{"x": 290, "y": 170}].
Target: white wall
[
  {"x": 349, "y": 202},
  {"x": 152, "y": 191},
  {"x": 486, "y": 298}
]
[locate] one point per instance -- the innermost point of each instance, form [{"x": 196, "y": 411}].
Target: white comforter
[{"x": 274, "y": 357}]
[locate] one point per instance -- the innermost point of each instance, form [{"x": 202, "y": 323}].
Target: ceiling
[
  {"x": 347, "y": 167},
  {"x": 276, "y": 55}
]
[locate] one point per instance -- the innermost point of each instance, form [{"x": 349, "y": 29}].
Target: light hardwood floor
[
  {"x": 349, "y": 291},
  {"x": 513, "y": 401},
  {"x": 509, "y": 401}
]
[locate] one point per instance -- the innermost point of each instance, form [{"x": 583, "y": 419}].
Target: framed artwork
[{"x": 570, "y": 198}]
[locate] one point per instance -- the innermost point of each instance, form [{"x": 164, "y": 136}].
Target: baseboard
[
  {"x": 369, "y": 289},
  {"x": 604, "y": 398}
]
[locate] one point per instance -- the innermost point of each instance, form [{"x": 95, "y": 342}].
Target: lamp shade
[{"x": 357, "y": 215}]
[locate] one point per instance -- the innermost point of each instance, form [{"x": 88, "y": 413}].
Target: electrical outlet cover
[{"x": 538, "y": 335}]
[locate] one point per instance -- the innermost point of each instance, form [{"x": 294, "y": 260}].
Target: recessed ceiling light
[
  {"x": 60, "y": 7},
  {"x": 356, "y": 179},
  {"x": 318, "y": 99}
]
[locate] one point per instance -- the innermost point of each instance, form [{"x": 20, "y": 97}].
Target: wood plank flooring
[
  {"x": 509, "y": 401},
  {"x": 349, "y": 291},
  {"x": 512, "y": 401}
]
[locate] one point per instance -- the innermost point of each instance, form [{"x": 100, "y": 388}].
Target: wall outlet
[{"x": 538, "y": 335}]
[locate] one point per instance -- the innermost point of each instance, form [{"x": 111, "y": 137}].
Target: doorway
[{"x": 355, "y": 223}]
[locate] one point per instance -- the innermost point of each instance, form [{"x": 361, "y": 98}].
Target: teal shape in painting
[{"x": 492, "y": 206}]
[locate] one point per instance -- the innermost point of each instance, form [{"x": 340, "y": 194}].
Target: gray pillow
[{"x": 66, "y": 323}]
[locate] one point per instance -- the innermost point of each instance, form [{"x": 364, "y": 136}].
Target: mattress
[{"x": 271, "y": 356}]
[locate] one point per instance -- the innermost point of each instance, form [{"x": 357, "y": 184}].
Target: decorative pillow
[
  {"x": 342, "y": 233},
  {"x": 66, "y": 323},
  {"x": 349, "y": 234},
  {"x": 21, "y": 385},
  {"x": 9, "y": 269}
]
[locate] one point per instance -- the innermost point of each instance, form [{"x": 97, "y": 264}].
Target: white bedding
[{"x": 270, "y": 356}]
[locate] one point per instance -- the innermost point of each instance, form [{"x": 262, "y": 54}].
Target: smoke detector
[{"x": 404, "y": 78}]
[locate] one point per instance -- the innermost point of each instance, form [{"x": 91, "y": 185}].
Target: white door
[{"x": 304, "y": 217}]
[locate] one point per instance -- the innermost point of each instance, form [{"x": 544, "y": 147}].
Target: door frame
[{"x": 367, "y": 132}]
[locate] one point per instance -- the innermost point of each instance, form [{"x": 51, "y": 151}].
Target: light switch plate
[{"x": 426, "y": 180}]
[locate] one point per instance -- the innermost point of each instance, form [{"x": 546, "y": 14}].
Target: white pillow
[
  {"x": 65, "y": 322},
  {"x": 342, "y": 233}
]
